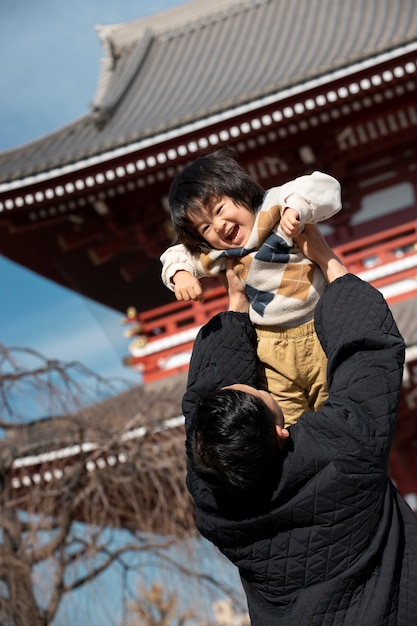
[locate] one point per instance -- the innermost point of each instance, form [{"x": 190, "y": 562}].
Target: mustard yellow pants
[{"x": 292, "y": 367}]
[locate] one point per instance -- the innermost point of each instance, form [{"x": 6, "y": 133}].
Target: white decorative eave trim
[
  {"x": 209, "y": 121},
  {"x": 106, "y": 459}
]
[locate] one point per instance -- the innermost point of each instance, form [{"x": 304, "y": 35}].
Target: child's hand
[
  {"x": 290, "y": 222},
  {"x": 187, "y": 287}
]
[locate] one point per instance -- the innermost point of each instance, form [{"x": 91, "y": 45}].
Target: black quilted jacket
[{"x": 331, "y": 542}]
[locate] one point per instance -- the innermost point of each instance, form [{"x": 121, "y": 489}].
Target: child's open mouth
[{"x": 231, "y": 235}]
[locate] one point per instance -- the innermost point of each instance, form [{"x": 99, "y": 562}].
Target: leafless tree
[
  {"x": 94, "y": 482},
  {"x": 157, "y": 608}
]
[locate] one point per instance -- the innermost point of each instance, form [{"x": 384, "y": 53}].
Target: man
[{"x": 308, "y": 514}]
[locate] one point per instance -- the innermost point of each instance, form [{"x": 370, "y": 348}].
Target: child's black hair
[{"x": 200, "y": 184}]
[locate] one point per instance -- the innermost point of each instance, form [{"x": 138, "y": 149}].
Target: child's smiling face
[{"x": 225, "y": 225}]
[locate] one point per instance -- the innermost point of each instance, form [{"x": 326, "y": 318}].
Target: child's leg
[
  {"x": 290, "y": 397},
  {"x": 279, "y": 370},
  {"x": 293, "y": 368},
  {"x": 317, "y": 375}
]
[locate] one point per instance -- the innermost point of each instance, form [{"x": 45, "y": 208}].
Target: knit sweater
[{"x": 282, "y": 285}]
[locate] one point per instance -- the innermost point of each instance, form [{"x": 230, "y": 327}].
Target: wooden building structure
[{"x": 292, "y": 87}]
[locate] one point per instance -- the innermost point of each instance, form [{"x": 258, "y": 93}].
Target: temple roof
[
  {"x": 129, "y": 449},
  {"x": 147, "y": 406},
  {"x": 200, "y": 60}
]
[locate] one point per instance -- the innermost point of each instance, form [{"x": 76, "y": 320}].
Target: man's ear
[{"x": 282, "y": 432}]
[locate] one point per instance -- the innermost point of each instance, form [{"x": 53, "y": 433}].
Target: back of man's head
[{"x": 232, "y": 442}]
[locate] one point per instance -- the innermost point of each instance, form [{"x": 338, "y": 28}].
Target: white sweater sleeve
[
  {"x": 178, "y": 258},
  {"x": 316, "y": 197}
]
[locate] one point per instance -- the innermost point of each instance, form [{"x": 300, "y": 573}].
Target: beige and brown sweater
[{"x": 282, "y": 285}]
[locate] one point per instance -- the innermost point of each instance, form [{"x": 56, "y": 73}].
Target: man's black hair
[
  {"x": 200, "y": 184},
  {"x": 233, "y": 440}
]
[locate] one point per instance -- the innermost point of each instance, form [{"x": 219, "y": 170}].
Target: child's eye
[{"x": 218, "y": 209}]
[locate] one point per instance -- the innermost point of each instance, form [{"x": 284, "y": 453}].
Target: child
[{"x": 219, "y": 211}]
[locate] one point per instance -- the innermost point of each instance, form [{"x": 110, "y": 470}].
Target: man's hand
[
  {"x": 187, "y": 287},
  {"x": 238, "y": 300},
  {"x": 314, "y": 246}
]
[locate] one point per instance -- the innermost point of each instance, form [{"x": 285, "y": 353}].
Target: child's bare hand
[
  {"x": 290, "y": 222},
  {"x": 187, "y": 287}
]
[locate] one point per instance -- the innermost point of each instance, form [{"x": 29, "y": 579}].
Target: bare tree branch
[{"x": 97, "y": 485}]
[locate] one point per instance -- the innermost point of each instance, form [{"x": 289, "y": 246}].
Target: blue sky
[
  {"x": 49, "y": 68},
  {"x": 50, "y": 61}
]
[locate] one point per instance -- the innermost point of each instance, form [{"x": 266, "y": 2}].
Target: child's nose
[{"x": 217, "y": 224}]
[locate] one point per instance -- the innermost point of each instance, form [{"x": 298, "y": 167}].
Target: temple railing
[{"x": 164, "y": 336}]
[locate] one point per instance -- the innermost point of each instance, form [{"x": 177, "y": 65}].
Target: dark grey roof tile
[{"x": 203, "y": 58}]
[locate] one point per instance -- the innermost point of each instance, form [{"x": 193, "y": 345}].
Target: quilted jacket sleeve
[
  {"x": 365, "y": 361},
  {"x": 224, "y": 353}
]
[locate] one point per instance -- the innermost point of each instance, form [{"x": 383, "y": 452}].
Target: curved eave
[
  {"x": 205, "y": 124},
  {"x": 207, "y": 65}
]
